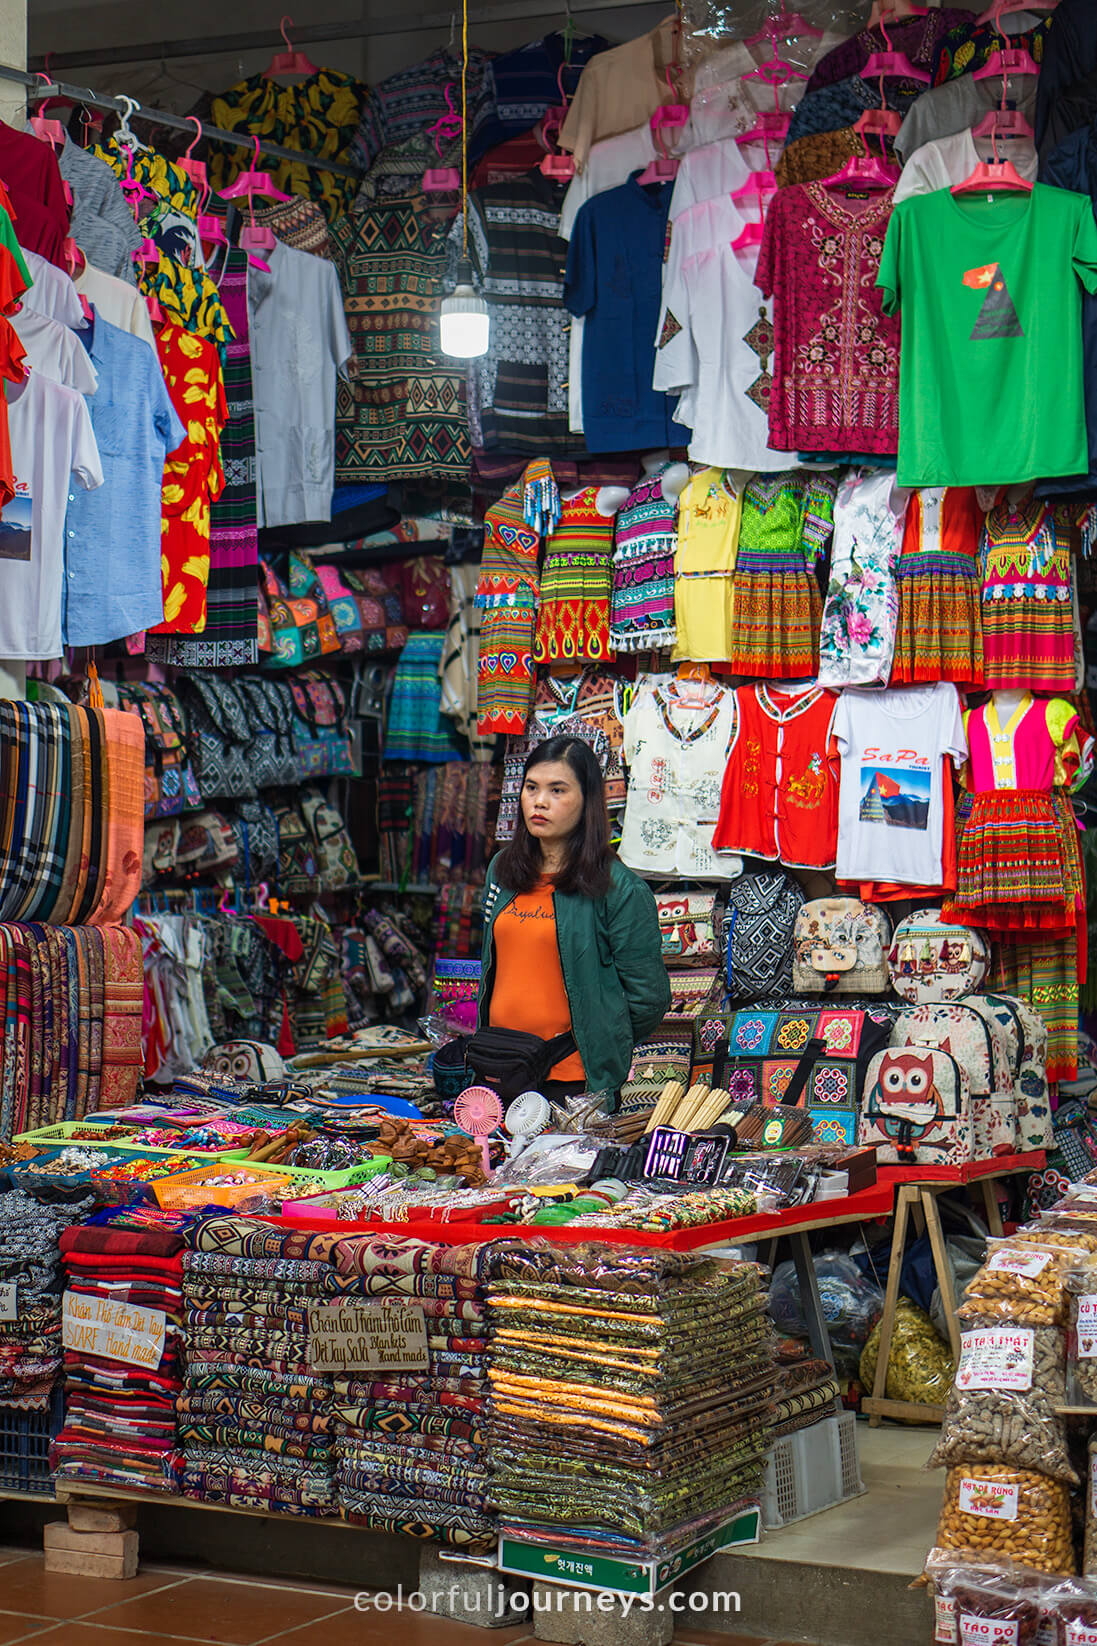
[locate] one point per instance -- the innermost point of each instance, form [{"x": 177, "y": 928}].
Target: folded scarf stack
[
  {"x": 254, "y": 1420},
  {"x": 30, "y": 1259},
  {"x": 409, "y": 1447},
  {"x": 119, "y": 1425},
  {"x": 630, "y": 1395}
]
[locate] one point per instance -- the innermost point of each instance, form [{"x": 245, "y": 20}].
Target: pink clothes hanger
[
  {"x": 50, "y": 131},
  {"x": 195, "y": 169},
  {"x": 444, "y": 179},
  {"x": 787, "y": 25},
  {"x": 771, "y": 124},
  {"x": 289, "y": 61},
  {"x": 891, "y": 64},
  {"x": 254, "y": 181},
  {"x": 864, "y": 171},
  {"x": 671, "y": 114},
  {"x": 760, "y": 184},
  {"x": 1007, "y": 61},
  {"x": 555, "y": 165},
  {"x": 663, "y": 168}
]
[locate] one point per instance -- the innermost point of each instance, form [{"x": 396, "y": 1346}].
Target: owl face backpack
[{"x": 917, "y": 1108}]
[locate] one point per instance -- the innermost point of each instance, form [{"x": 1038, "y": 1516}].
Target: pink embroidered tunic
[{"x": 836, "y": 358}]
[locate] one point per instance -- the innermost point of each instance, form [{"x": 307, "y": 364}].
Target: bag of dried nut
[
  {"x": 986, "y": 1602},
  {"x": 993, "y": 1510},
  {"x": 1024, "y": 1276},
  {"x": 1089, "y": 1552},
  {"x": 1082, "y": 1335},
  {"x": 1005, "y": 1400},
  {"x": 1072, "y": 1608}
]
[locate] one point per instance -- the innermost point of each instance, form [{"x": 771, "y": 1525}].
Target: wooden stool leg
[
  {"x": 991, "y": 1206},
  {"x": 943, "y": 1267},
  {"x": 891, "y": 1296}
]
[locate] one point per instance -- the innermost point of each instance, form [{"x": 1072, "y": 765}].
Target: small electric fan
[
  {"x": 528, "y": 1115},
  {"x": 479, "y": 1112}
]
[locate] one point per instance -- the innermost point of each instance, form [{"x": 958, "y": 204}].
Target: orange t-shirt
[{"x": 529, "y": 992}]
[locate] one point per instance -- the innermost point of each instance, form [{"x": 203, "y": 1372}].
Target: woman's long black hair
[{"x": 519, "y": 865}]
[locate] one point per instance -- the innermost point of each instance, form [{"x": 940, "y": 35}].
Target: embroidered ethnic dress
[
  {"x": 1028, "y": 616},
  {"x": 573, "y": 620},
  {"x": 836, "y": 362}
]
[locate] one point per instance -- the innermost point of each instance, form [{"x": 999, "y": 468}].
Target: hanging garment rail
[{"x": 162, "y": 117}]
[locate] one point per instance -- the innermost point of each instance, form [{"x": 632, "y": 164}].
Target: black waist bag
[{"x": 511, "y": 1061}]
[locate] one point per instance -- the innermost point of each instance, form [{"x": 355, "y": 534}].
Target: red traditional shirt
[
  {"x": 780, "y": 792},
  {"x": 193, "y": 476}
]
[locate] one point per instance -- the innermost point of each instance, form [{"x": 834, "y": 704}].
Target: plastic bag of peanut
[
  {"x": 1024, "y": 1276},
  {"x": 1004, "y": 1403},
  {"x": 997, "y": 1512},
  {"x": 1082, "y": 1335}
]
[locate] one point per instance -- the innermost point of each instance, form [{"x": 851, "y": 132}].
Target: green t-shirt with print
[{"x": 989, "y": 287}]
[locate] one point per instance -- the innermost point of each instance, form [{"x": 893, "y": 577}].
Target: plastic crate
[
  {"x": 811, "y": 1470},
  {"x": 77, "y": 1133},
  {"x": 188, "y": 1191},
  {"x": 344, "y": 1179},
  {"x": 25, "y": 1446}
]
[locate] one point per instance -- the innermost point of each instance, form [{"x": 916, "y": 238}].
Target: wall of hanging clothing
[{"x": 722, "y": 497}]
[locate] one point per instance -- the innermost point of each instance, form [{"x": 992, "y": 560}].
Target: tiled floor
[
  {"x": 174, "y": 1604},
  {"x": 889, "y": 1529}
]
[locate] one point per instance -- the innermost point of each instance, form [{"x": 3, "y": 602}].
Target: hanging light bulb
[
  {"x": 463, "y": 315},
  {"x": 464, "y": 318}
]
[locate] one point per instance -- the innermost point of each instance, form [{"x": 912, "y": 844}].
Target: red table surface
[
  {"x": 1004, "y": 1165},
  {"x": 867, "y": 1203}
]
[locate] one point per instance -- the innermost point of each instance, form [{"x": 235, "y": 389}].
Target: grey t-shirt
[
  {"x": 959, "y": 104},
  {"x": 103, "y": 225}
]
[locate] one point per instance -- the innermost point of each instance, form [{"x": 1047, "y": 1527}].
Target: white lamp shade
[{"x": 464, "y": 324}]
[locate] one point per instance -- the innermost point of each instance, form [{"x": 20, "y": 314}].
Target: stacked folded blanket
[
  {"x": 409, "y": 1447},
  {"x": 30, "y": 1260},
  {"x": 630, "y": 1394},
  {"x": 254, "y": 1420},
  {"x": 120, "y": 1417}
]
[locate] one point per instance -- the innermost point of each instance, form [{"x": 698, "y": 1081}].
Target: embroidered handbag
[
  {"x": 840, "y": 947},
  {"x": 255, "y": 828},
  {"x": 268, "y": 706},
  {"x": 298, "y": 868},
  {"x": 219, "y": 737},
  {"x": 931, "y": 959},
  {"x": 170, "y": 785},
  {"x": 381, "y": 609},
  {"x": 754, "y": 1051},
  {"x": 337, "y": 863},
  {"x": 688, "y": 924},
  {"x": 251, "y": 1061},
  {"x": 758, "y": 928},
  {"x": 305, "y": 579},
  {"x": 1025, "y": 1035},
  {"x": 206, "y": 844},
  {"x": 979, "y": 1043},
  {"x": 321, "y": 742},
  {"x": 973, "y": 1038},
  {"x": 302, "y": 629},
  {"x": 917, "y": 1108}
]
